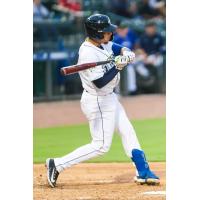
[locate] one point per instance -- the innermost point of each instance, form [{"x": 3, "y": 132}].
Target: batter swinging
[{"x": 100, "y": 104}]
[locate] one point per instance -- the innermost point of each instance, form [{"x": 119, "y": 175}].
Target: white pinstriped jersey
[{"x": 90, "y": 53}]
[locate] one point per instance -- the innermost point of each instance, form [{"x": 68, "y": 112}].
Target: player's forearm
[{"x": 107, "y": 77}]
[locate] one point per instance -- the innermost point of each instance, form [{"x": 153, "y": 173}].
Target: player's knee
[
  {"x": 101, "y": 147},
  {"x": 104, "y": 148}
]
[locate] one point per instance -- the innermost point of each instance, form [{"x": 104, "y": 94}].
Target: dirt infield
[
  {"x": 69, "y": 112},
  {"x": 90, "y": 181}
]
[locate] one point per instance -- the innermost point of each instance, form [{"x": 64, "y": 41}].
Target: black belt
[{"x": 99, "y": 95}]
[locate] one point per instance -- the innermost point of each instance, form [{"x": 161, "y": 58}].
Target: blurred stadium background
[{"x": 58, "y": 31}]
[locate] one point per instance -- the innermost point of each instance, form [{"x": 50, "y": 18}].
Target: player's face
[
  {"x": 107, "y": 37},
  {"x": 122, "y": 32},
  {"x": 151, "y": 30}
]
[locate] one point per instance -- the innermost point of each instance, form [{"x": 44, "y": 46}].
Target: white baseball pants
[{"x": 105, "y": 114}]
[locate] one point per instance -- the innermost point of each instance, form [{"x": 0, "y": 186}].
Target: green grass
[{"x": 58, "y": 141}]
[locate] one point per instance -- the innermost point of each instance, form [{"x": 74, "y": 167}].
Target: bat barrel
[{"x": 76, "y": 68}]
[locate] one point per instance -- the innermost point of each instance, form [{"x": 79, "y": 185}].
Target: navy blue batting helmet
[{"x": 98, "y": 24}]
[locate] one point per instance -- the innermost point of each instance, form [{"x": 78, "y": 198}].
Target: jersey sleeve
[
  {"x": 86, "y": 56},
  {"x": 116, "y": 48},
  {"x": 107, "y": 77}
]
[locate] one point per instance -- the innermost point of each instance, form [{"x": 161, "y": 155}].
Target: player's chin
[{"x": 106, "y": 41}]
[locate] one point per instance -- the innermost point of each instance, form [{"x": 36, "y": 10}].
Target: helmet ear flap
[
  {"x": 101, "y": 35},
  {"x": 93, "y": 34}
]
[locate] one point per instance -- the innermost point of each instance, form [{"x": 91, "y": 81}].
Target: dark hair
[{"x": 150, "y": 23}]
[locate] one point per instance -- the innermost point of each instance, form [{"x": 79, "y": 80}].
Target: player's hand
[
  {"x": 121, "y": 62},
  {"x": 130, "y": 56}
]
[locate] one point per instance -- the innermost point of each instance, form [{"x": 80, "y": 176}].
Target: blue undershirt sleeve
[
  {"x": 116, "y": 48},
  {"x": 107, "y": 77}
]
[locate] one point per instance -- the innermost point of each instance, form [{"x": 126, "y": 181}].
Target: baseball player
[{"x": 100, "y": 104}]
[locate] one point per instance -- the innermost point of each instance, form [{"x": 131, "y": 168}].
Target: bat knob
[{"x": 62, "y": 72}]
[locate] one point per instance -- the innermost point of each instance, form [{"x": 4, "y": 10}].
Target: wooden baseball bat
[{"x": 77, "y": 68}]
